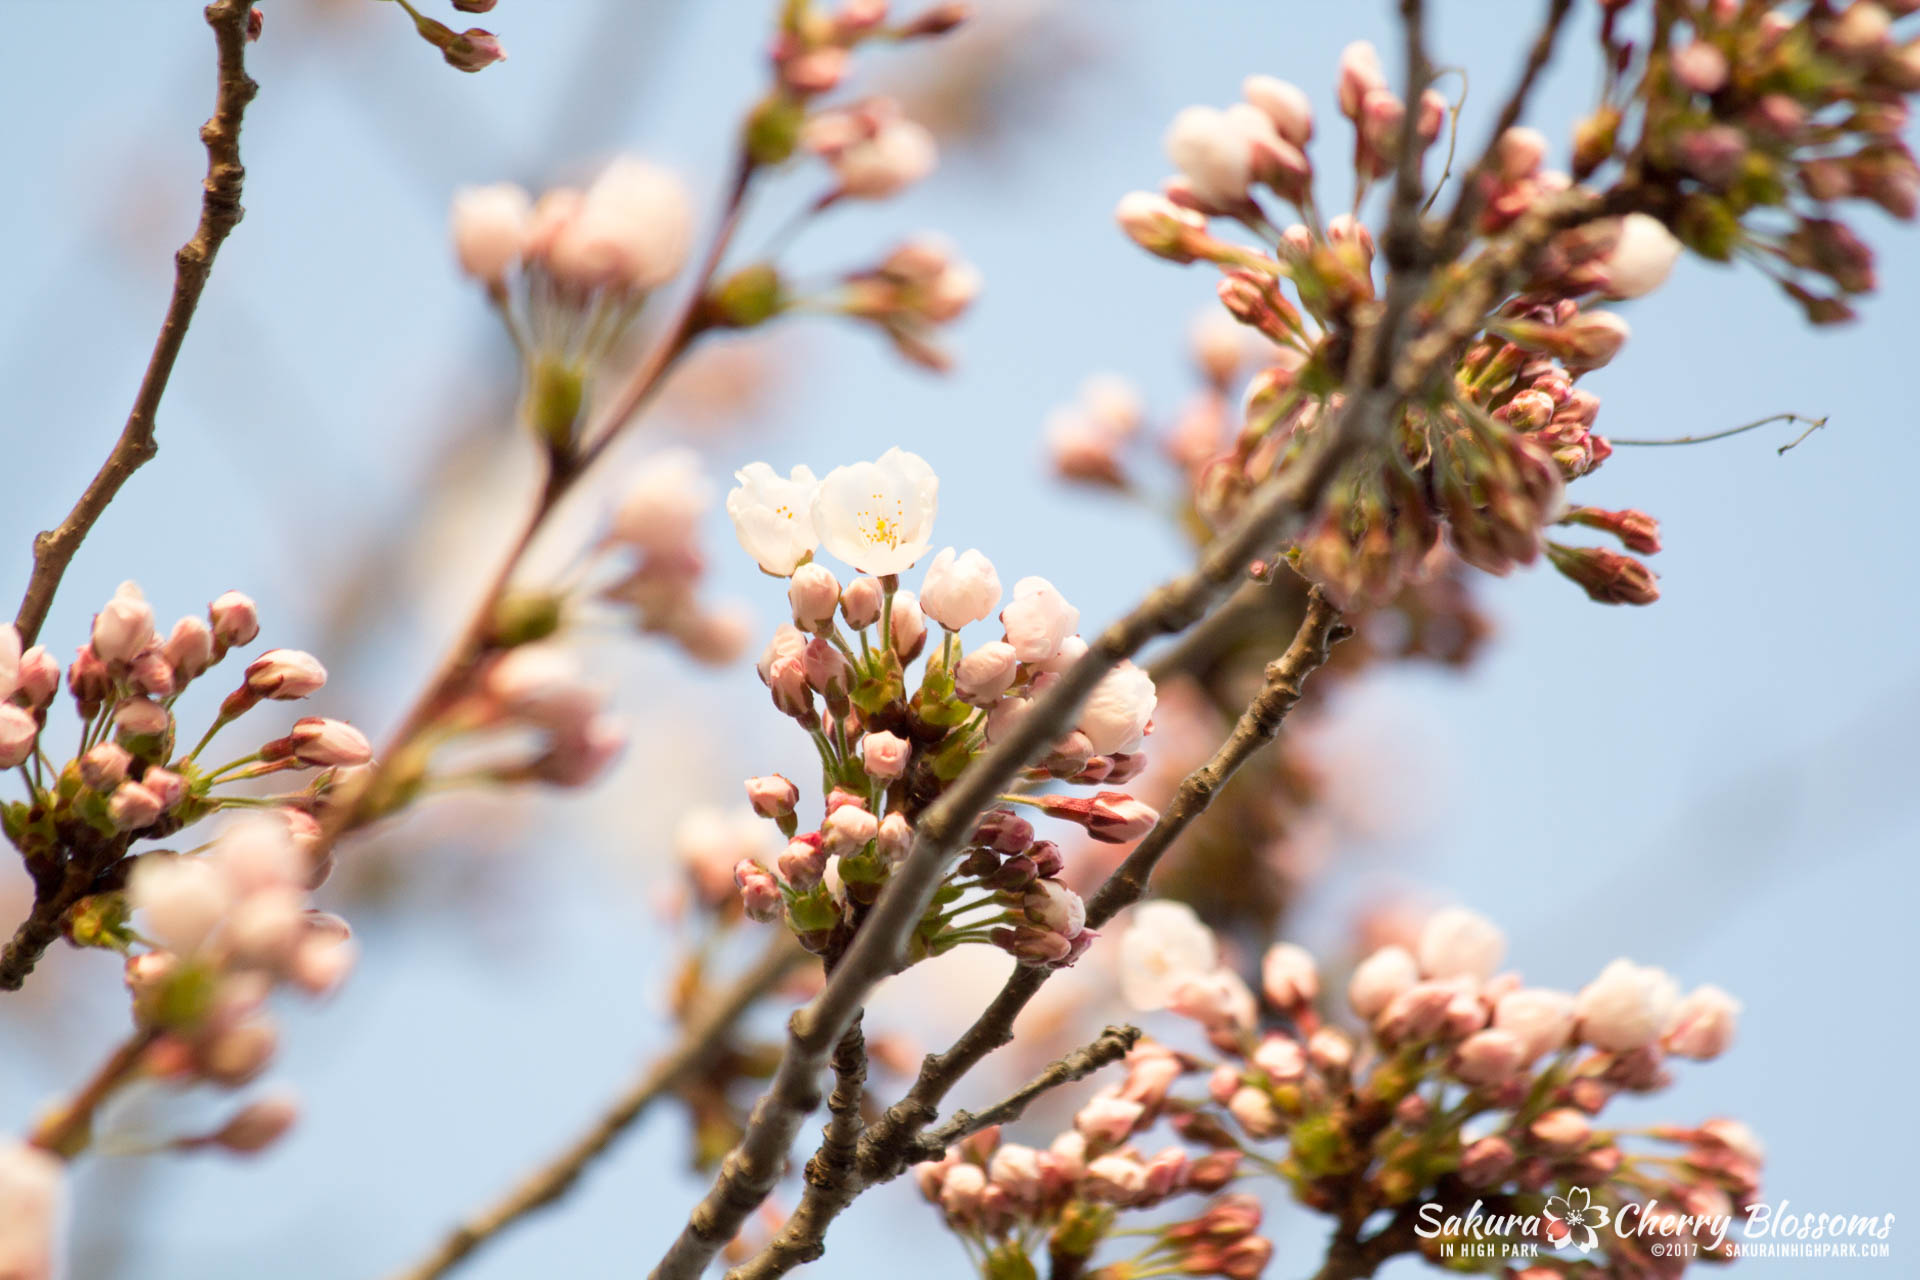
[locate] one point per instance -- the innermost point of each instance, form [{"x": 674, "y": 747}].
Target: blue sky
[{"x": 1719, "y": 784}]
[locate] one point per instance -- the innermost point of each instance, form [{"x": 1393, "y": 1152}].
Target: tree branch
[
  {"x": 1112, "y": 1045},
  {"x": 749, "y": 1172},
  {"x": 56, "y": 890},
  {"x": 557, "y": 1176},
  {"x": 219, "y": 212}
]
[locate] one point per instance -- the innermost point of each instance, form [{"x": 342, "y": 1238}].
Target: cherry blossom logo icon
[{"x": 1574, "y": 1219}]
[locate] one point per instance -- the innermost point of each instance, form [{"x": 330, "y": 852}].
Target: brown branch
[
  {"x": 1350, "y": 1256},
  {"x": 53, "y": 550},
  {"x": 1113, "y": 1044},
  {"x": 219, "y": 211},
  {"x": 66, "y": 1130},
  {"x": 702, "y": 1037},
  {"x": 890, "y": 1143},
  {"x": 749, "y": 1172},
  {"x": 1472, "y": 195}
]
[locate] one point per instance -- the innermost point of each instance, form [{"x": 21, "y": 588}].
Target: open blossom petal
[
  {"x": 1164, "y": 947},
  {"x": 32, "y": 1210},
  {"x": 878, "y": 516},
  {"x": 631, "y": 231},
  {"x": 773, "y": 517},
  {"x": 1627, "y": 1007},
  {"x": 490, "y": 229}
]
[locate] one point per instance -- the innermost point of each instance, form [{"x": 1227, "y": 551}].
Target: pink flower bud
[
  {"x": 328, "y": 743},
  {"x": 104, "y": 767},
  {"x": 1253, "y": 1110},
  {"x": 884, "y": 755},
  {"x": 1417, "y": 1013},
  {"x": 848, "y": 829},
  {"x": 141, "y": 718},
  {"x": 1703, "y": 1024},
  {"x": 1055, "y": 908},
  {"x": 1700, "y": 67},
  {"x": 1162, "y": 227},
  {"x": 1110, "y": 817},
  {"x": 1108, "y": 1119},
  {"x": 1520, "y": 153},
  {"x": 1636, "y": 530},
  {"x": 759, "y": 891},
  {"x": 1003, "y": 831},
  {"x": 802, "y": 863},
  {"x": 1627, "y": 1007},
  {"x": 235, "y": 620},
  {"x": 1016, "y": 1169},
  {"x": 1218, "y": 1001},
  {"x": 1460, "y": 943},
  {"x": 1542, "y": 1020},
  {"x": 1360, "y": 74},
  {"x": 982, "y": 676},
  {"x": 860, "y": 602},
  {"x": 909, "y": 626},
  {"x": 1487, "y": 1059},
  {"x": 1119, "y": 710},
  {"x": 166, "y": 786},
  {"x": 814, "y": 594},
  {"x": 189, "y": 650},
  {"x": 1330, "y": 1050},
  {"x": 1486, "y": 1161},
  {"x": 1641, "y": 260},
  {"x": 182, "y": 899},
  {"x": 18, "y": 730},
  {"x": 39, "y": 676},
  {"x": 898, "y": 154},
  {"x": 237, "y": 1054},
  {"x": 321, "y": 964},
  {"x": 124, "y": 627},
  {"x": 1286, "y": 105},
  {"x": 1606, "y": 576},
  {"x": 1289, "y": 976},
  {"x": 772, "y": 796},
  {"x": 828, "y": 672},
  {"x": 285, "y": 675},
  {"x": 1282, "y": 1058},
  {"x": 1561, "y": 1130},
  {"x": 489, "y": 226},
  {"x": 959, "y": 589},
  {"x": 1038, "y": 620},
  {"x": 894, "y": 839},
  {"x": 1380, "y": 978},
  {"x": 259, "y": 1124}
]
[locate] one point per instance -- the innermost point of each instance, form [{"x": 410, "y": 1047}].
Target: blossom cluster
[
  {"x": 888, "y": 747},
  {"x": 128, "y": 778},
  {"x": 1486, "y": 462},
  {"x": 1460, "y": 1085}
]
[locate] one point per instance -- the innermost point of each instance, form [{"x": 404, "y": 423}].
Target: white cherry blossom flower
[
  {"x": 773, "y": 517},
  {"x": 1165, "y": 947},
  {"x": 878, "y": 516}
]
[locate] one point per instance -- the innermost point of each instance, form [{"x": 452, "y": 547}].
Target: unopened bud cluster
[
  {"x": 891, "y": 742},
  {"x": 1461, "y": 1085}
]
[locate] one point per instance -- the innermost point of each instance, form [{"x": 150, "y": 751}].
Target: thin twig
[
  {"x": 1812, "y": 425},
  {"x": 66, "y": 1130},
  {"x": 552, "y": 1180},
  {"x": 889, "y": 1142},
  {"x": 1113, "y": 1044},
  {"x": 55, "y": 892},
  {"x": 219, "y": 212},
  {"x": 749, "y": 1172}
]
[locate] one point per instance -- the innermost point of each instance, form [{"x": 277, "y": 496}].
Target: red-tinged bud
[
  {"x": 860, "y": 602},
  {"x": 1606, "y": 576},
  {"x": 236, "y": 1055},
  {"x": 256, "y": 23},
  {"x": 1003, "y": 831},
  {"x": 285, "y": 675},
  {"x": 166, "y": 786},
  {"x": 18, "y": 732},
  {"x": 1700, "y": 67},
  {"x": 1163, "y": 228},
  {"x": 1528, "y": 410},
  {"x": 235, "y": 621},
  {"x": 803, "y": 862},
  {"x": 848, "y": 829},
  {"x": 1126, "y": 766},
  {"x": 189, "y": 650},
  {"x": 105, "y": 766},
  {"x": 759, "y": 891},
  {"x": 936, "y": 21},
  {"x": 258, "y": 1125},
  {"x": 39, "y": 676},
  {"x": 141, "y": 718},
  {"x": 894, "y": 839},
  {"x": 1561, "y": 1131},
  {"x": 787, "y": 680},
  {"x": 772, "y": 796},
  {"x": 1213, "y": 1171},
  {"x": 909, "y": 626},
  {"x": 1111, "y": 817},
  {"x": 828, "y": 672},
  {"x": 1486, "y": 1161},
  {"x": 1636, "y": 530},
  {"x": 814, "y": 594},
  {"x": 474, "y": 6},
  {"x": 1253, "y": 300},
  {"x": 326, "y": 743}
]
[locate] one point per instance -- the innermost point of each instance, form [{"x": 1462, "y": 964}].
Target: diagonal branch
[
  {"x": 547, "y": 1184},
  {"x": 749, "y": 1172},
  {"x": 56, "y": 891},
  {"x": 219, "y": 212},
  {"x": 1113, "y": 1044}
]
